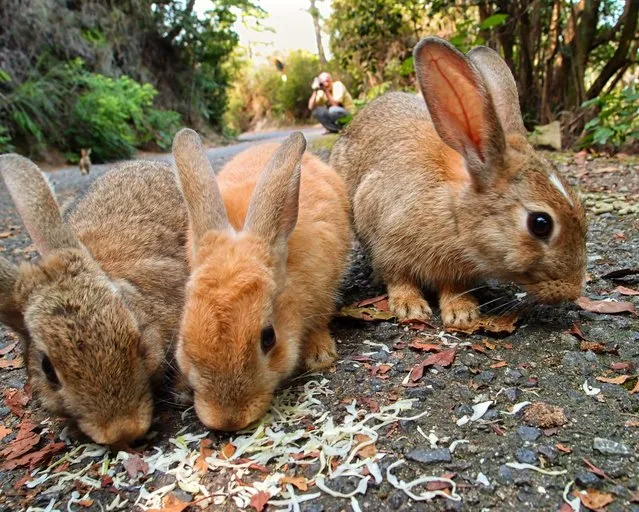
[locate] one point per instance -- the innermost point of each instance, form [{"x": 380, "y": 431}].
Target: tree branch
[{"x": 173, "y": 33}]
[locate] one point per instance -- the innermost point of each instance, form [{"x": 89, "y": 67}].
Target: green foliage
[
  {"x": 617, "y": 121},
  {"x": 71, "y": 108}
]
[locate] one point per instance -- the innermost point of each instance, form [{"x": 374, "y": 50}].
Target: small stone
[
  {"x": 182, "y": 495},
  {"x": 490, "y": 415},
  {"x": 586, "y": 479},
  {"x": 381, "y": 356},
  {"x": 609, "y": 447},
  {"x": 421, "y": 392},
  {"x": 429, "y": 456},
  {"x": 505, "y": 474},
  {"x": 614, "y": 468},
  {"x": 549, "y": 452},
  {"x": 436, "y": 384},
  {"x": 397, "y": 499},
  {"x": 312, "y": 507},
  {"x": 385, "y": 331},
  {"x": 485, "y": 377},
  {"x": 3, "y": 412},
  {"x": 377, "y": 386},
  {"x": 512, "y": 376},
  {"x": 590, "y": 356},
  {"x": 528, "y": 433},
  {"x": 463, "y": 410},
  {"x": 460, "y": 373},
  {"x": 526, "y": 456},
  {"x": 574, "y": 396},
  {"x": 512, "y": 394}
]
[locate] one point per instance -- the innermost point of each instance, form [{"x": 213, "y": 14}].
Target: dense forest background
[{"x": 116, "y": 75}]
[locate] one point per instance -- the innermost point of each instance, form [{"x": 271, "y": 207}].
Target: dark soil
[{"x": 543, "y": 363}]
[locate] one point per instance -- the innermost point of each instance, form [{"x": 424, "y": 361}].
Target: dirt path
[{"x": 462, "y": 429}]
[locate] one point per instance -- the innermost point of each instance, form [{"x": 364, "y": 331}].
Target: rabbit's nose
[
  {"x": 216, "y": 419},
  {"x": 120, "y": 429}
]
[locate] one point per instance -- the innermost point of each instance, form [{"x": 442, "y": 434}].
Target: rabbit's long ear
[
  {"x": 199, "y": 186},
  {"x": 10, "y": 313},
  {"x": 461, "y": 107},
  {"x": 272, "y": 213},
  {"x": 502, "y": 86},
  {"x": 36, "y": 204}
]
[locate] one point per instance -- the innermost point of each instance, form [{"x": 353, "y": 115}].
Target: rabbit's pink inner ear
[{"x": 460, "y": 106}]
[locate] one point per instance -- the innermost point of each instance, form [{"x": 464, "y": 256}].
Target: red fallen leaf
[
  {"x": 34, "y": 459},
  {"x": 507, "y": 346},
  {"x": 228, "y": 450},
  {"x": 594, "y": 499},
  {"x": 597, "y": 348},
  {"x": 399, "y": 345},
  {"x": 605, "y": 307},
  {"x": 443, "y": 358},
  {"x": 297, "y": 481},
  {"x": 259, "y": 500},
  {"x": 422, "y": 346},
  {"x": 171, "y": 503},
  {"x": 85, "y": 502},
  {"x": 11, "y": 364},
  {"x": 4, "y": 432},
  {"x": 374, "y": 301},
  {"x": 106, "y": 481},
  {"x": 205, "y": 451},
  {"x": 615, "y": 380},
  {"x": 620, "y": 236},
  {"x": 594, "y": 469},
  {"x": 478, "y": 348},
  {"x": 25, "y": 440},
  {"x": 361, "y": 359},
  {"x": 625, "y": 291},
  {"x": 16, "y": 399},
  {"x": 576, "y": 332},
  {"x": 5, "y": 350},
  {"x": 497, "y": 429},
  {"x": 563, "y": 448},
  {"x": 499, "y": 364},
  {"x": 372, "y": 404},
  {"x": 300, "y": 456},
  {"x": 134, "y": 465},
  {"x": 383, "y": 369},
  {"x": 622, "y": 366}
]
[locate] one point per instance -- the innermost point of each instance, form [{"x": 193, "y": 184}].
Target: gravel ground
[{"x": 591, "y": 439}]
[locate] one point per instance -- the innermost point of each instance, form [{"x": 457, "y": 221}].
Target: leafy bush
[
  {"x": 71, "y": 108},
  {"x": 617, "y": 121}
]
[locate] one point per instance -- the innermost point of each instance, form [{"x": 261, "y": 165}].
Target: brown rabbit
[
  {"x": 452, "y": 194},
  {"x": 100, "y": 308},
  {"x": 85, "y": 161},
  {"x": 264, "y": 276}
]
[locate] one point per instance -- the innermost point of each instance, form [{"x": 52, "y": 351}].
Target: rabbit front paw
[
  {"x": 406, "y": 302},
  {"x": 321, "y": 352},
  {"x": 458, "y": 310}
]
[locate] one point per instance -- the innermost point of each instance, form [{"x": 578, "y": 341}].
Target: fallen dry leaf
[
  {"x": 594, "y": 499},
  {"x": 5, "y": 350},
  {"x": 422, "y": 346},
  {"x": 171, "y": 503},
  {"x": 372, "y": 404},
  {"x": 6, "y": 234},
  {"x": 563, "y": 448},
  {"x": 499, "y": 364},
  {"x": 16, "y": 399},
  {"x": 605, "y": 306},
  {"x": 597, "y": 348},
  {"x": 11, "y": 364},
  {"x": 296, "y": 481},
  {"x": 544, "y": 415},
  {"x": 635, "y": 389},
  {"x": 489, "y": 345},
  {"x": 493, "y": 324},
  {"x": 383, "y": 369},
  {"x": 635, "y": 497},
  {"x": 228, "y": 450},
  {"x": 380, "y": 303},
  {"x": 443, "y": 358},
  {"x": 34, "y": 459},
  {"x": 631, "y": 423},
  {"x": 25, "y": 440},
  {"x": 416, "y": 325},
  {"x": 87, "y": 502},
  {"x": 366, "y": 451},
  {"x": 576, "y": 332},
  {"x": 259, "y": 500},
  {"x": 623, "y": 272},
  {"x": 594, "y": 469},
  {"x": 4, "y": 432},
  {"x": 134, "y": 465},
  {"x": 622, "y": 366},
  {"x": 614, "y": 380},
  {"x": 625, "y": 291},
  {"x": 367, "y": 314},
  {"x": 205, "y": 451},
  {"x": 479, "y": 348}
]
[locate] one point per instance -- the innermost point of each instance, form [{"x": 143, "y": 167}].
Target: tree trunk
[{"x": 314, "y": 12}]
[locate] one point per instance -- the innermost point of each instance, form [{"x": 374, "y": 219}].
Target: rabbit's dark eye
[
  {"x": 267, "y": 339},
  {"x": 540, "y": 224},
  {"x": 49, "y": 371}
]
